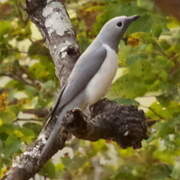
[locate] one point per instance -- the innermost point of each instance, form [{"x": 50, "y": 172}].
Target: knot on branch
[
  {"x": 73, "y": 51},
  {"x": 108, "y": 120}
]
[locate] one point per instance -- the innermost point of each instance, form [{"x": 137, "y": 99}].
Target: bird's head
[{"x": 113, "y": 30}]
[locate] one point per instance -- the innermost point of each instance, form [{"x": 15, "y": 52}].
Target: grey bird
[{"x": 92, "y": 74}]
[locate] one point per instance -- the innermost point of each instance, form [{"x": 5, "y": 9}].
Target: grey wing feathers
[
  {"x": 57, "y": 101},
  {"x": 86, "y": 67},
  {"x": 83, "y": 71},
  {"x": 51, "y": 114}
]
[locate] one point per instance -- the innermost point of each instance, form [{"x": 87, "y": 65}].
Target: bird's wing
[
  {"x": 57, "y": 101},
  {"x": 85, "y": 68},
  {"x": 51, "y": 114}
]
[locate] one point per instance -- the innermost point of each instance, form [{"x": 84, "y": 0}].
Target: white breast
[{"x": 100, "y": 83}]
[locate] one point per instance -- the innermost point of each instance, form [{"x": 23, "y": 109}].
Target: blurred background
[{"x": 148, "y": 77}]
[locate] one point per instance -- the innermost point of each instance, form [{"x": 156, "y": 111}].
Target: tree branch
[
  {"x": 18, "y": 77},
  {"x": 109, "y": 120},
  {"x": 41, "y": 113},
  {"x": 123, "y": 124}
]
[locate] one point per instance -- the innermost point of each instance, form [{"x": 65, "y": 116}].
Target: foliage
[{"x": 149, "y": 68}]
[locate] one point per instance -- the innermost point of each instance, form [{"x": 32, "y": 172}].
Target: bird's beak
[{"x": 132, "y": 18}]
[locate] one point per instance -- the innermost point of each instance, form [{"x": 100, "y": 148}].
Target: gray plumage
[{"x": 92, "y": 74}]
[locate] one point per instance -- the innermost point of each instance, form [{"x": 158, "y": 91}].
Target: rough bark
[
  {"x": 108, "y": 120},
  {"x": 124, "y": 124}
]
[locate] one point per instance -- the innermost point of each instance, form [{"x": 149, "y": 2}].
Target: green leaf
[
  {"x": 8, "y": 115},
  {"x": 12, "y": 145},
  {"x": 33, "y": 127},
  {"x": 27, "y": 134},
  {"x": 37, "y": 49},
  {"x": 176, "y": 170},
  {"x": 48, "y": 170},
  {"x": 126, "y": 101},
  {"x": 42, "y": 70},
  {"x": 5, "y": 27}
]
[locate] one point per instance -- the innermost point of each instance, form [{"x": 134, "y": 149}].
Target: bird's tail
[
  {"x": 53, "y": 136},
  {"x": 56, "y": 106}
]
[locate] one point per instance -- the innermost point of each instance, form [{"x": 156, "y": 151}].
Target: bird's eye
[{"x": 119, "y": 24}]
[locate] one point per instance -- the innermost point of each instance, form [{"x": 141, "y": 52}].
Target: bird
[{"x": 92, "y": 74}]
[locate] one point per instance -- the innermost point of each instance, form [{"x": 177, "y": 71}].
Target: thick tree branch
[
  {"x": 109, "y": 120},
  {"x": 41, "y": 113},
  {"x": 123, "y": 124}
]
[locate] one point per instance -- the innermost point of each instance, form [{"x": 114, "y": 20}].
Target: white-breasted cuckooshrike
[{"x": 92, "y": 74}]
